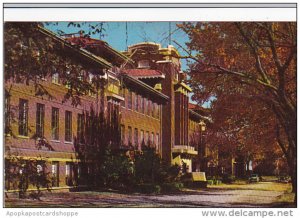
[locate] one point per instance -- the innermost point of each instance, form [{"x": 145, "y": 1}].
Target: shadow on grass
[{"x": 88, "y": 198}]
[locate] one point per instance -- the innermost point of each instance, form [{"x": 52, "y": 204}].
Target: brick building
[
  {"x": 142, "y": 92},
  {"x": 45, "y": 125},
  {"x": 160, "y": 68},
  {"x": 141, "y": 114}
]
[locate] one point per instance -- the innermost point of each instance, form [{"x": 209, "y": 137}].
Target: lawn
[
  {"x": 262, "y": 186},
  {"x": 262, "y": 194}
]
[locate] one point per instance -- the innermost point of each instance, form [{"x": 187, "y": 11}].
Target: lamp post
[{"x": 202, "y": 129}]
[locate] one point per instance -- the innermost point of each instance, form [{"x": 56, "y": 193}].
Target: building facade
[
  {"x": 160, "y": 68},
  {"x": 42, "y": 124},
  {"x": 141, "y": 94}
]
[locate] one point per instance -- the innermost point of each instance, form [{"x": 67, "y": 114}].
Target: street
[{"x": 263, "y": 194}]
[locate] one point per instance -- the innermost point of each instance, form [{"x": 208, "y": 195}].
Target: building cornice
[
  {"x": 149, "y": 89},
  {"x": 118, "y": 53},
  {"x": 81, "y": 51},
  {"x": 185, "y": 86}
]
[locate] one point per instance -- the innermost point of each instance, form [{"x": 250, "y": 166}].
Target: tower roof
[{"x": 144, "y": 73}]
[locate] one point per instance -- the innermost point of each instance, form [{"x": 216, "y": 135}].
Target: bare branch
[
  {"x": 224, "y": 70},
  {"x": 276, "y": 60},
  {"x": 289, "y": 59},
  {"x": 254, "y": 52},
  {"x": 246, "y": 76},
  {"x": 187, "y": 51}
]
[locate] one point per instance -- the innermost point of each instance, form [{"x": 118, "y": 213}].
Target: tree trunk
[
  {"x": 293, "y": 172},
  {"x": 292, "y": 163},
  {"x": 289, "y": 123}
]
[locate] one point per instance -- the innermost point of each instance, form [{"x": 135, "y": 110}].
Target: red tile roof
[
  {"x": 143, "y": 73},
  {"x": 198, "y": 108},
  {"x": 193, "y": 106},
  {"x": 84, "y": 41}
]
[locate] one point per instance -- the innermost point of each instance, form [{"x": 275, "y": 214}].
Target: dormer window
[{"x": 143, "y": 64}]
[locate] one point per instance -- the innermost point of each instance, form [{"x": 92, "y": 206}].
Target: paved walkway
[{"x": 251, "y": 195}]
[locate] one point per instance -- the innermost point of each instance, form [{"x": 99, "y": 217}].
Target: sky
[
  {"x": 116, "y": 35},
  {"x": 119, "y": 38}
]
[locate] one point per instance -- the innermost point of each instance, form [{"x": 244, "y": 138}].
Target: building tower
[{"x": 175, "y": 114}]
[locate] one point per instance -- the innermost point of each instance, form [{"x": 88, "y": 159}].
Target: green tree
[
  {"x": 23, "y": 173},
  {"x": 148, "y": 166},
  {"x": 116, "y": 170}
]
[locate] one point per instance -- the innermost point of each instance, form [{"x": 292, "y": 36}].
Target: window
[
  {"x": 39, "y": 168},
  {"x": 142, "y": 136},
  {"x": 67, "y": 169},
  {"x": 133, "y": 100},
  {"x": 157, "y": 141},
  {"x": 91, "y": 90},
  {"x": 122, "y": 134},
  {"x": 136, "y": 138},
  {"x": 55, "y": 173},
  {"x": 68, "y": 126},
  {"x": 80, "y": 126},
  {"x": 152, "y": 138},
  {"x": 123, "y": 95},
  {"x": 23, "y": 117},
  {"x": 153, "y": 109},
  {"x": 129, "y": 135},
  {"x": 40, "y": 117},
  {"x": 68, "y": 84},
  {"x": 137, "y": 102},
  {"x": 55, "y": 123},
  {"x": 91, "y": 77},
  {"x": 143, "y": 64},
  {"x": 147, "y": 139},
  {"x": 143, "y": 100},
  {"x": 7, "y": 115},
  {"x": 129, "y": 99},
  {"x": 146, "y": 106},
  {"x": 69, "y": 173},
  {"x": 79, "y": 172},
  {"x": 55, "y": 78},
  {"x": 149, "y": 108},
  {"x": 158, "y": 111},
  {"x": 81, "y": 75}
]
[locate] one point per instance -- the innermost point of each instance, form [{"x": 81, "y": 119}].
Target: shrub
[
  {"x": 148, "y": 167},
  {"x": 173, "y": 173},
  {"x": 116, "y": 170},
  {"x": 214, "y": 182},
  {"x": 149, "y": 188},
  {"x": 210, "y": 182},
  {"x": 172, "y": 187},
  {"x": 226, "y": 178}
]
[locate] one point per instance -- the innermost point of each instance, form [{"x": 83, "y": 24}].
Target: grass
[
  {"x": 287, "y": 196},
  {"x": 269, "y": 178},
  {"x": 114, "y": 199},
  {"x": 262, "y": 186}
]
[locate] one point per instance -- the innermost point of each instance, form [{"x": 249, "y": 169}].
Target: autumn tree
[
  {"x": 235, "y": 135},
  {"x": 252, "y": 62}
]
